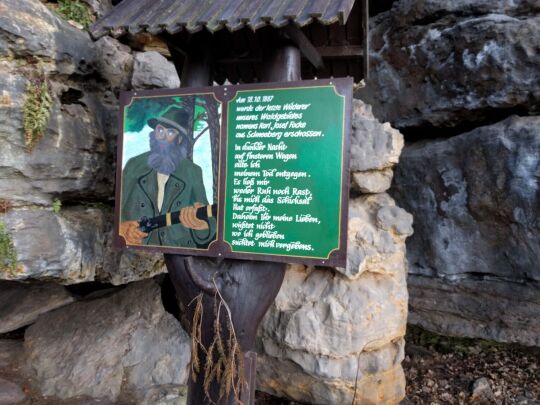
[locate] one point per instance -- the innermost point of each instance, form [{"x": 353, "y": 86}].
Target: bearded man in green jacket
[{"x": 164, "y": 181}]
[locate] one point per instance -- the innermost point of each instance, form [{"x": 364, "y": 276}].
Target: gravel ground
[{"x": 444, "y": 370}]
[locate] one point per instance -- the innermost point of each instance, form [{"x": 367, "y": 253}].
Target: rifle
[{"x": 170, "y": 218}]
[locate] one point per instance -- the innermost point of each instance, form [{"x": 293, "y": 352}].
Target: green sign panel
[
  {"x": 284, "y": 171},
  {"x": 250, "y": 171}
]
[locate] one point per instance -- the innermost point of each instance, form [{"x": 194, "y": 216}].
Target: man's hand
[
  {"x": 130, "y": 231},
  {"x": 189, "y": 219}
]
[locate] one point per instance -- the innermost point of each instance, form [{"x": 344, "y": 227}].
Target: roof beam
[{"x": 303, "y": 43}]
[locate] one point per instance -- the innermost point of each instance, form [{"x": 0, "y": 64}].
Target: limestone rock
[
  {"x": 376, "y": 234},
  {"x": 10, "y": 353},
  {"x": 66, "y": 247},
  {"x": 122, "y": 267},
  {"x": 74, "y": 157},
  {"x": 482, "y": 392},
  {"x": 152, "y": 70},
  {"x": 10, "y": 393},
  {"x": 166, "y": 395},
  {"x": 442, "y": 63},
  {"x": 373, "y": 181},
  {"x": 74, "y": 246},
  {"x": 374, "y": 146},
  {"x": 415, "y": 12},
  {"x": 488, "y": 308},
  {"x": 29, "y": 28},
  {"x": 122, "y": 341},
  {"x": 475, "y": 201},
  {"x": 115, "y": 62},
  {"x": 21, "y": 304},
  {"x": 100, "y": 7},
  {"x": 319, "y": 325}
]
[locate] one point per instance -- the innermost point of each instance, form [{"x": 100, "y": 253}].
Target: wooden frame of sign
[{"x": 279, "y": 163}]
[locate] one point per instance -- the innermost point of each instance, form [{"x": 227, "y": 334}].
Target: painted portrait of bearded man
[{"x": 164, "y": 183}]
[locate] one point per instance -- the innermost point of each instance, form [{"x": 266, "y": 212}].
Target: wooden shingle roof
[{"x": 173, "y": 16}]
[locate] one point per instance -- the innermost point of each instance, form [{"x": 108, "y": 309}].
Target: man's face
[
  {"x": 166, "y": 150},
  {"x": 167, "y": 134}
]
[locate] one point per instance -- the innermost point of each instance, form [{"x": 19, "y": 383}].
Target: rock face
[
  {"x": 74, "y": 162},
  {"x": 115, "y": 62},
  {"x": 375, "y": 149},
  {"x": 66, "y": 247},
  {"x": 442, "y": 63},
  {"x": 328, "y": 325},
  {"x": 153, "y": 70},
  {"x": 99, "y": 347},
  {"x": 74, "y": 158},
  {"x": 10, "y": 393},
  {"x": 21, "y": 305},
  {"x": 477, "y": 235}
]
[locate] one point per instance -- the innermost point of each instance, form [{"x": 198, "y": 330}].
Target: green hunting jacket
[{"x": 183, "y": 188}]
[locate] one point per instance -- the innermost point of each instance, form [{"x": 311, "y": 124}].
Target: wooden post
[
  {"x": 365, "y": 35},
  {"x": 248, "y": 287}
]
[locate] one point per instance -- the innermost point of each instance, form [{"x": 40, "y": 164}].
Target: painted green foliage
[
  {"x": 8, "y": 255},
  {"x": 141, "y": 110}
]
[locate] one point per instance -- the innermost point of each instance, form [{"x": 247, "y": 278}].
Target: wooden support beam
[
  {"x": 365, "y": 33},
  {"x": 305, "y": 46}
]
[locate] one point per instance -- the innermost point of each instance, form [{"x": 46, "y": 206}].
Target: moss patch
[
  {"x": 36, "y": 111},
  {"x": 8, "y": 254},
  {"x": 56, "y": 205},
  {"x": 74, "y": 10}
]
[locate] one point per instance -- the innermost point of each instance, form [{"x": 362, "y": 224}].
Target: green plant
[
  {"x": 76, "y": 11},
  {"x": 36, "y": 111},
  {"x": 56, "y": 205},
  {"x": 8, "y": 254}
]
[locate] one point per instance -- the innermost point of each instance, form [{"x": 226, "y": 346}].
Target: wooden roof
[
  {"x": 331, "y": 34},
  {"x": 173, "y": 16}
]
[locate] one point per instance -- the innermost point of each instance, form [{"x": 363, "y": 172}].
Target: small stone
[
  {"x": 166, "y": 395},
  {"x": 482, "y": 392},
  {"x": 10, "y": 393}
]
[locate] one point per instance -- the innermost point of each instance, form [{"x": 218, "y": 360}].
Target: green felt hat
[{"x": 174, "y": 117}]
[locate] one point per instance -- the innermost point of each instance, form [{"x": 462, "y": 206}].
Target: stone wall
[
  {"x": 460, "y": 79},
  {"x": 93, "y": 319}
]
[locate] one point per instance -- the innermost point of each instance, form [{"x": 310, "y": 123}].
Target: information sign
[{"x": 250, "y": 171}]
